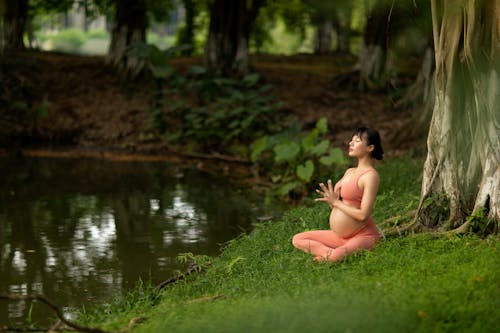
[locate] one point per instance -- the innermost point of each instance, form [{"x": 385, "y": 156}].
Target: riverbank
[
  {"x": 260, "y": 283},
  {"x": 54, "y": 100}
]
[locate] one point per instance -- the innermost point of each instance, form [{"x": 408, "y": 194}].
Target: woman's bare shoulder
[{"x": 372, "y": 175}]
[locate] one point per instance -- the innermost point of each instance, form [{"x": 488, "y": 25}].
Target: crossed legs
[{"x": 326, "y": 245}]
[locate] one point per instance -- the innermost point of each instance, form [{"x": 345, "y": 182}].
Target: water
[{"x": 81, "y": 231}]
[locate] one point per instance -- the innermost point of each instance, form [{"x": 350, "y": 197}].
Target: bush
[
  {"x": 97, "y": 34},
  {"x": 70, "y": 40},
  {"x": 296, "y": 158}
]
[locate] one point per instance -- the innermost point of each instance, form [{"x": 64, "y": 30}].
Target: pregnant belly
[{"x": 344, "y": 225}]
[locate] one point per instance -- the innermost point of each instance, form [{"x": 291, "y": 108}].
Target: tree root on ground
[
  {"x": 192, "y": 268},
  {"x": 62, "y": 323}
]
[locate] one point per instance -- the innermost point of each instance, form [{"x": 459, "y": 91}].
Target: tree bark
[
  {"x": 374, "y": 65},
  {"x": 341, "y": 25},
  {"x": 2, "y": 31},
  {"x": 187, "y": 34},
  {"x": 129, "y": 27},
  {"x": 323, "y": 38},
  {"x": 226, "y": 49},
  {"x": 462, "y": 169},
  {"x": 15, "y": 16}
]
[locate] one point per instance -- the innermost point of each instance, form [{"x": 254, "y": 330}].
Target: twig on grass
[
  {"x": 191, "y": 269},
  {"x": 59, "y": 325}
]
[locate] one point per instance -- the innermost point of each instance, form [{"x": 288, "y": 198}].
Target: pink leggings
[{"x": 326, "y": 245}]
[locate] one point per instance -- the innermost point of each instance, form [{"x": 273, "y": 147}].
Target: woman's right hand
[{"x": 328, "y": 194}]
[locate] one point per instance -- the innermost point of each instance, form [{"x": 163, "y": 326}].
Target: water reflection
[{"x": 78, "y": 231}]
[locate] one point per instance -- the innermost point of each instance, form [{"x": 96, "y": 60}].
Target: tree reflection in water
[{"x": 81, "y": 231}]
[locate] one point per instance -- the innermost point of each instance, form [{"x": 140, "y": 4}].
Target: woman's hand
[{"x": 328, "y": 194}]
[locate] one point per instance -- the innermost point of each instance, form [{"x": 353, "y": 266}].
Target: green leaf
[
  {"x": 322, "y": 125},
  {"x": 308, "y": 143},
  {"x": 320, "y": 148},
  {"x": 286, "y": 152},
  {"x": 335, "y": 156},
  {"x": 305, "y": 171},
  {"x": 251, "y": 79},
  {"x": 257, "y": 147},
  {"x": 156, "y": 56},
  {"x": 276, "y": 178},
  {"x": 197, "y": 70},
  {"x": 287, "y": 188},
  {"x": 162, "y": 72}
]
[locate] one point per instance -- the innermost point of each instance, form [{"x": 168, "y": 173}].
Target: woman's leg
[
  {"x": 353, "y": 244},
  {"x": 321, "y": 243}
]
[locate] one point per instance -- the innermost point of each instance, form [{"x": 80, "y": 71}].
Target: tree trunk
[
  {"x": 421, "y": 93},
  {"x": 462, "y": 170},
  {"x": 341, "y": 25},
  {"x": 15, "y": 16},
  {"x": 2, "y": 31},
  {"x": 323, "y": 38},
  {"x": 129, "y": 27},
  {"x": 343, "y": 39},
  {"x": 186, "y": 36},
  {"x": 374, "y": 62},
  {"x": 226, "y": 49}
]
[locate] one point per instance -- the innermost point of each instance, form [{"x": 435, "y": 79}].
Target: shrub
[
  {"x": 70, "y": 40},
  {"x": 296, "y": 158}
]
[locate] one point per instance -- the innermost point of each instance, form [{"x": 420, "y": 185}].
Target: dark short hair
[{"x": 372, "y": 138}]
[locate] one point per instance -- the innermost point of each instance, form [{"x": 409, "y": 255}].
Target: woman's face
[{"x": 358, "y": 147}]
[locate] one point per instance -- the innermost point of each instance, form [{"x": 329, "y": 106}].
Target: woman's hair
[{"x": 372, "y": 138}]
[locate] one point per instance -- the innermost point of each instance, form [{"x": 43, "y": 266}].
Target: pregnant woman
[{"x": 351, "y": 201}]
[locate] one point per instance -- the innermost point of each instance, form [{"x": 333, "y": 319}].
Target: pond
[{"x": 84, "y": 231}]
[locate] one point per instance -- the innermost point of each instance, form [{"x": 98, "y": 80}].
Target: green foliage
[
  {"x": 97, "y": 34},
  {"x": 240, "y": 111},
  {"x": 399, "y": 190},
  {"x": 296, "y": 158},
  {"x": 436, "y": 208},
  {"x": 158, "y": 63},
  {"x": 226, "y": 115},
  {"x": 69, "y": 40},
  {"x": 199, "y": 260},
  {"x": 480, "y": 223}
]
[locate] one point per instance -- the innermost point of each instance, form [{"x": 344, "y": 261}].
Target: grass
[{"x": 260, "y": 283}]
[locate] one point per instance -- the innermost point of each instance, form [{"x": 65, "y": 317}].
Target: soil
[{"x": 79, "y": 105}]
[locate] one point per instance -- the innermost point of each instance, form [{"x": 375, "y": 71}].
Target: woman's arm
[{"x": 369, "y": 183}]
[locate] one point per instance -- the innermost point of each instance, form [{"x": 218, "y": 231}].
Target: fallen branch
[
  {"x": 58, "y": 326},
  {"x": 206, "y": 298},
  {"x": 394, "y": 219},
  {"x": 191, "y": 269},
  {"x": 399, "y": 230}
]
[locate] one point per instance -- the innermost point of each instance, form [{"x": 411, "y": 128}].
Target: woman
[{"x": 351, "y": 201}]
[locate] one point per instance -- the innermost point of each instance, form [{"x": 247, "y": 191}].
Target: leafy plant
[
  {"x": 438, "y": 208},
  {"x": 158, "y": 62},
  {"x": 227, "y": 114},
  {"x": 203, "y": 111},
  {"x": 480, "y": 223},
  {"x": 69, "y": 40},
  {"x": 297, "y": 157}
]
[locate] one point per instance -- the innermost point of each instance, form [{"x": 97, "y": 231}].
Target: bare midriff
[{"x": 344, "y": 225}]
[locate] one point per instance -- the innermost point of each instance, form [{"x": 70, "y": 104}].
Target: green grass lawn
[{"x": 260, "y": 283}]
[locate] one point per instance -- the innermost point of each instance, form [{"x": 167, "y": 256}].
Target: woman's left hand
[{"x": 329, "y": 195}]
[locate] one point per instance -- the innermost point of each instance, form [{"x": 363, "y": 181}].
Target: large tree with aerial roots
[{"x": 461, "y": 177}]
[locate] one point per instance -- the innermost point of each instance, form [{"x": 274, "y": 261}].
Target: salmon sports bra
[{"x": 349, "y": 190}]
